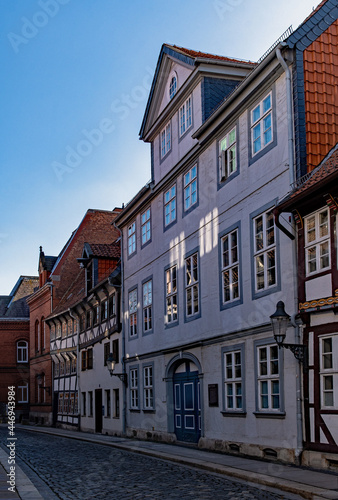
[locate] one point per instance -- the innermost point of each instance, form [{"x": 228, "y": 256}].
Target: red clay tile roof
[
  {"x": 321, "y": 102},
  {"x": 196, "y": 54},
  {"x": 111, "y": 251}
]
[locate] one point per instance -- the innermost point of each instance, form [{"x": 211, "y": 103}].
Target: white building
[{"x": 204, "y": 265}]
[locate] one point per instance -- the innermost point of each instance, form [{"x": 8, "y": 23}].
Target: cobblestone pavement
[{"x": 81, "y": 470}]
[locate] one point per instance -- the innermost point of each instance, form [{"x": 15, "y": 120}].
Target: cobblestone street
[{"x": 81, "y": 470}]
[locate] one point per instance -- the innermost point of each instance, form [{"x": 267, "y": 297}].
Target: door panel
[{"x": 186, "y": 407}]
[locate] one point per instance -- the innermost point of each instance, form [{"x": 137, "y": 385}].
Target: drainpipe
[
  {"x": 299, "y": 326},
  {"x": 289, "y": 114},
  {"x": 74, "y": 318},
  {"x": 297, "y": 323}
]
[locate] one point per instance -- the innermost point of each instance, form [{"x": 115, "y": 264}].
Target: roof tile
[{"x": 197, "y": 54}]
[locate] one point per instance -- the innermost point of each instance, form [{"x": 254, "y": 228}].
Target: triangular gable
[{"x": 170, "y": 60}]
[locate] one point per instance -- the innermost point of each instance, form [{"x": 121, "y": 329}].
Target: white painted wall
[{"x": 256, "y": 185}]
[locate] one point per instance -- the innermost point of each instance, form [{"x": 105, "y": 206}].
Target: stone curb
[{"x": 24, "y": 487}]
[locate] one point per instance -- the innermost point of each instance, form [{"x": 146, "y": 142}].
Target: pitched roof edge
[{"x": 314, "y": 20}]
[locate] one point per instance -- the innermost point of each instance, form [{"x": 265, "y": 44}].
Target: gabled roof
[
  {"x": 324, "y": 176},
  {"x": 188, "y": 58},
  {"x": 15, "y": 305},
  {"x": 104, "y": 250},
  {"x": 204, "y": 55},
  {"x": 47, "y": 262}
]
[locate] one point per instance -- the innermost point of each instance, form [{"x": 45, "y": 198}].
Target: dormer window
[{"x": 172, "y": 85}]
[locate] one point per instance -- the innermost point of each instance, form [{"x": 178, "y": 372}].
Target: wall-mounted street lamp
[
  {"x": 111, "y": 361},
  {"x": 39, "y": 379},
  {"x": 279, "y": 321}
]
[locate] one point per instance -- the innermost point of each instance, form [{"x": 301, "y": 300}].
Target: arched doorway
[{"x": 184, "y": 393}]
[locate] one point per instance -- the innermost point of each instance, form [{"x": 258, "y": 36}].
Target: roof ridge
[{"x": 197, "y": 53}]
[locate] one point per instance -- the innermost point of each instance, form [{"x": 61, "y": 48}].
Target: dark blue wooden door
[{"x": 187, "y": 410}]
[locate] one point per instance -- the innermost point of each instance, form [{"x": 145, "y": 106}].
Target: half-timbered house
[{"x": 315, "y": 205}]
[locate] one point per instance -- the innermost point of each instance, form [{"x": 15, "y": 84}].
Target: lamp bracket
[
  {"x": 300, "y": 352},
  {"x": 121, "y": 376}
]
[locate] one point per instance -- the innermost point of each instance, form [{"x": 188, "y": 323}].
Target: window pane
[
  {"x": 323, "y": 224},
  {"x": 311, "y": 229},
  {"x": 311, "y": 257},
  {"x": 267, "y": 129},
  {"x": 226, "y": 252},
  {"x": 267, "y": 103},
  {"x": 235, "y": 287},
  {"x": 328, "y": 399},
  {"x": 264, "y": 395},
  {"x": 259, "y": 233},
  {"x": 226, "y": 286},
  {"x": 256, "y": 114},
  {"x": 324, "y": 255},
  {"x": 260, "y": 271},
  {"x": 195, "y": 298},
  {"x": 234, "y": 256},
  {"x": 232, "y": 136}
]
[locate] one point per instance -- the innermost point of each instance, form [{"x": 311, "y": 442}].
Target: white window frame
[
  {"x": 134, "y": 394},
  {"x": 148, "y": 388},
  {"x": 146, "y": 226},
  {"x": 233, "y": 381},
  {"x": 268, "y": 374},
  {"x": 171, "y": 295},
  {"x": 132, "y": 299},
  {"x": 318, "y": 243},
  {"x": 190, "y": 187},
  {"x": 165, "y": 140},
  {"x": 262, "y": 256},
  {"x": 264, "y": 117},
  {"x": 230, "y": 266},
  {"x": 185, "y": 116},
  {"x": 228, "y": 155},
  {"x": 132, "y": 238},
  {"x": 22, "y": 351},
  {"x": 172, "y": 89},
  {"x": 328, "y": 367},
  {"x": 170, "y": 205},
  {"x": 192, "y": 285},
  {"x": 147, "y": 294},
  {"x": 23, "y": 392}
]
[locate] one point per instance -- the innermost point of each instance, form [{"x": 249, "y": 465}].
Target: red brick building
[
  {"x": 56, "y": 275},
  {"x": 14, "y": 345}
]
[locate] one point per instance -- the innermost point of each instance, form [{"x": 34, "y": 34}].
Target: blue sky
[{"x": 73, "y": 69}]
